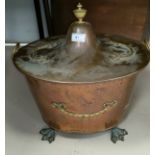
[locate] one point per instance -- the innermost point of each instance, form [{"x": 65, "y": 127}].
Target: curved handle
[
  {"x": 106, "y": 107},
  {"x": 15, "y": 49},
  {"x": 147, "y": 44}
]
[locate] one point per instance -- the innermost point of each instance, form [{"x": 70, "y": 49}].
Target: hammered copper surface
[
  {"x": 82, "y": 84},
  {"x": 82, "y": 99}
]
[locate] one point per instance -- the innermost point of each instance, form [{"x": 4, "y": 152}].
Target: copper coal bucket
[{"x": 92, "y": 98}]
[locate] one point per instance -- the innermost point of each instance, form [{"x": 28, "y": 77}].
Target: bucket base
[
  {"x": 116, "y": 134},
  {"x": 48, "y": 134}
]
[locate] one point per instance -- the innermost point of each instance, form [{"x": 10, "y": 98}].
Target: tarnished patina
[
  {"x": 82, "y": 82},
  {"x": 48, "y": 60}
]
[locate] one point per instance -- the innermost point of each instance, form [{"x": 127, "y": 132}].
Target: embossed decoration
[{"x": 106, "y": 107}]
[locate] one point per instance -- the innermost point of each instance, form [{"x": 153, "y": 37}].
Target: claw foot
[
  {"x": 118, "y": 134},
  {"x": 48, "y": 134}
]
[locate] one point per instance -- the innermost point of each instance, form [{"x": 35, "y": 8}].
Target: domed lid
[{"x": 80, "y": 56}]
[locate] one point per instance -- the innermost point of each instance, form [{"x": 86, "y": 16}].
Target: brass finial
[{"x": 80, "y": 12}]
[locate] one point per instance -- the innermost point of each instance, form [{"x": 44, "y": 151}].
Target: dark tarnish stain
[
  {"x": 111, "y": 58},
  {"x": 110, "y": 124},
  {"x": 54, "y": 125},
  {"x": 25, "y": 58}
]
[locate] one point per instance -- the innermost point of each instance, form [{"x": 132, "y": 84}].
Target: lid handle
[{"x": 80, "y": 13}]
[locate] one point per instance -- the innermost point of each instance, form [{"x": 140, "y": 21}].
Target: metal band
[{"x": 106, "y": 107}]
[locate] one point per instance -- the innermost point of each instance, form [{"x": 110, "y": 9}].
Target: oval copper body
[
  {"x": 77, "y": 103},
  {"x": 82, "y": 108},
  {"x": 82, "y": 83}
]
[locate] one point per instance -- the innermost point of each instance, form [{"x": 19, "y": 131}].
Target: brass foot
[
  {"x": 118, "y": 134},
  {"x": 48, "y": 134}
]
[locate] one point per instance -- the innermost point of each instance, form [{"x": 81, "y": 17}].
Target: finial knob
[{"x": 80, "y": 12}]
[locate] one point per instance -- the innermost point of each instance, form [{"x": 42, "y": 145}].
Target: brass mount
[{"x": 80, "y": 13}]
